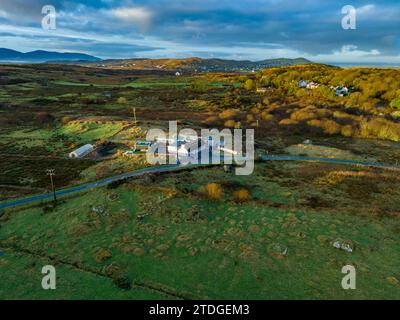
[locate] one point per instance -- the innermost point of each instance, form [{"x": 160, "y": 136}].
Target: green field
[{"x": 185, "y": 244}]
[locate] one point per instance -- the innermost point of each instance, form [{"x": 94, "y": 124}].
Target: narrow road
[
  {"x": 167, "y": 168},
  {"x": 91, "y": 185}
]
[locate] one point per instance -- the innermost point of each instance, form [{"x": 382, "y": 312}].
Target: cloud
[
  {"x": 139, "y": 16},
  {"x": 250, "y": 29},
  {"x": 366, "y": 9}
]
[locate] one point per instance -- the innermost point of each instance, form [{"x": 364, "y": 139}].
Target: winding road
[{"x": 168, "y": 168}]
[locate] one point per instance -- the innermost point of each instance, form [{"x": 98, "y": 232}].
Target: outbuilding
[{"x": 82, "y": 151}]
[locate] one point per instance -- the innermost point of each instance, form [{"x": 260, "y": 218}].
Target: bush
[
  {"x": 213, "y": 191},
  {"x": 250, "y": 118},
  {"x": 347, "y": 131},
  {"x": 267, "y": 116},
  {"x": 101, "y": 255},
  {"x": 288, "y": 122},
  {"x": 395, "y": 104},
  {"x": 121, "y": 100},
  {"x": 229, "y": 114},
  {"x": 211, "y": 120},
  {"x": 396, "y": 114},
  {"x": 241, "y": 195},
  {"x": 303, "y": 114},
  {"x": 380, "y": 128},
  {"x": 66, "y": 120},
  {"x": 329, "y": 126},
  {"x": 249, "y": 85},
  {"x": 230, "y": 124}
]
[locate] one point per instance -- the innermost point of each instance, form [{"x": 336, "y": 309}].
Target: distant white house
[
  {"x": 341, "y": 91},
  {"x": 302, "y": 83},
  {"x": 178, "y": 74},
  {"x": 82, "y": 151},
  {"x": 308, "y": 84}
]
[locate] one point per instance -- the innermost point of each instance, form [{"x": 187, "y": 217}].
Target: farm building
[{"x": 82, "y": 151}]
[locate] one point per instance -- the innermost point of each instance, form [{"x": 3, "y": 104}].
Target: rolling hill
[
  {"x": 193, "y": 64},
  {"x": 198, "y": 64},
  {"x": 8, "y": 55}
]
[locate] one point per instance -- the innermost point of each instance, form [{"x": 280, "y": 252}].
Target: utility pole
[
  {"x": 134, "y": 115},
  {"x": 51, "y": 173}
]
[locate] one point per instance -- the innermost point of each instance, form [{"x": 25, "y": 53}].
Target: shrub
[
  {"x": 287, "y": 122},
  {"x": 241, "y": 195},
  {"x": 395, "y": 103},
  {"x": 249, "y": 84},
  {"x": 101, "y": 255},
  {"x": 329, "y": 126},
  {"x": 211, "y": 120},
  {"x": 121, "y": 100},
  {"x": 347, "y": 131},
  {"x": 213, "y": 191},
  {"x": 229, "y": 114},
  {"x": 380, "y": 128},
  {"x": 303, "y": 114},
  {"x": 230, "y": 124},
  {"x": 396, "y": 114},
  {"x": 250, "y": 118},
  {"x": 267, "y": 116},
  {"x": 66, "y": 120}
]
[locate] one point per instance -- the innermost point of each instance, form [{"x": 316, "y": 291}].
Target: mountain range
[
  {"x": 186, "y": 64},
  {"x": 38, "y": 56}
]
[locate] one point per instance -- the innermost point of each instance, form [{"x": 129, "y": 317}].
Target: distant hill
[
  {"x": 199, "y": 64},
  {"x": 38, "y": 56},
  {"x": 187, "y": 64},
  {"x": 233, "y": 65}
]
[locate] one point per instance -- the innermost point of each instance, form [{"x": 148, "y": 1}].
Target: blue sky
[{"x": 234, "y": 29}]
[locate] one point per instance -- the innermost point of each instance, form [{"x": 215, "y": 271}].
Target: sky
[{"x": 228, "y": 29}]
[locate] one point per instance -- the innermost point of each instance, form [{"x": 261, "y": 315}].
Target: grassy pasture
[{"x": 273, "y": 247}]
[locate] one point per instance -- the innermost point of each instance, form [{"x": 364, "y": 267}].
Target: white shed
[{"x": 82, "y": 151}]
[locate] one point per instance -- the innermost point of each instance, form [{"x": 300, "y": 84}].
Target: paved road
[
  {"x": 165, "y": 168},
  {"x": 98, "y": 183}
]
